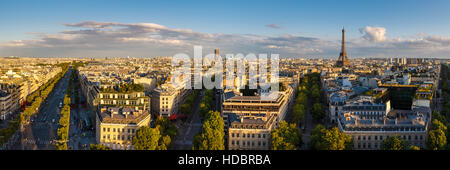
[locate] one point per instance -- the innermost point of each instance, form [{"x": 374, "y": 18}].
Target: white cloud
[
  {"x": 17, "y": 43},
  {"x": 92, "y": 38},
  {"x": 374, "y": 34},
  {"x": 151, "y": 38}
]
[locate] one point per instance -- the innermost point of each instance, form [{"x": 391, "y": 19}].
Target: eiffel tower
[{"x": 343, "y": 59}]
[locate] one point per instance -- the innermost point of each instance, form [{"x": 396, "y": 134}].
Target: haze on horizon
[{"x": 378, "y": 28}]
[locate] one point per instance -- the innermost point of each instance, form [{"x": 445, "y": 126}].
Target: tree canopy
[
  {"x": 147, "y": 138},
  {"x": 98, "y": 147},
  {"x": 286, "y": 137},
  {"x": 394, "y": 143},
  {"x": 298, "y": 113},
  {"x": 212, "y": 134},
  {"x": 437, "y": 139},
  {"x": 166, "y": 127},
  {"x": 318, "y": 111},
  {"x": 412, "y": 147},
  {"x": 329, "y": 139},
  {"x": 438, "y": 116}
]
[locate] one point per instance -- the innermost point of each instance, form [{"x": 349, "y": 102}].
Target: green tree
[
  {"x": 438, "y": 116},
  {"x": 315, "y": 141},
  {"x": 412, "y": 147},
  {"x": 298, "y": 113},
  {"x": 146, "y": 138},
  {"x": 166, "y": 127},
  {"x": 317, "y": 111},
  {"x": 286, "y": 137},
  {"x": 329, "y": 139},
  {"x": 436, "y": 124},
  {"x": 437, "y": 139},
  {"x": 394, "y": 143},
  {"x": 165, "y": 142},
  {"x": 212, "y": 135},
  {"x": 61, "y": 146},
  {"x": 315, "y": 93},
  {"x": 302, "y": 98},
  {"x": 158, "y": 138},
  {"x": 448, "y": 136},
  {"x": 206, "y": 103},
  {"x": 98, "y": 147},
  {"x": 186, "y": 108}
]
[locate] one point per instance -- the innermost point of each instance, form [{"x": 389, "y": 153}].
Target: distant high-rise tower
[
  {"x": 216, "y": 52},
  {"x": 343, "y": 59}
]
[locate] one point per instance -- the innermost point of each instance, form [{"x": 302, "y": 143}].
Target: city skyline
[
  {"x": 224, "y": 83},
  {"x": 157, "y": 28}
]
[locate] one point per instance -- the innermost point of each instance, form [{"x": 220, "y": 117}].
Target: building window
[
  {"x": 104, "y": 129},
  {"x": 108, "y": 129}
]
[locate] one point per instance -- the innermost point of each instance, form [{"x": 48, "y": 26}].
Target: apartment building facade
[
  {"x": 369, "y": 123},
  {"x": 250, "y": 119},
  {"x": 167, "y": 99},
  {"x": 9, "y": 100},
  {"x": 116, "y": 126},
  {"x": 251, "y": 133}
]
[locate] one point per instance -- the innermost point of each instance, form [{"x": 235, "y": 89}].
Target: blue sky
[{"x": 405, "y": 23}]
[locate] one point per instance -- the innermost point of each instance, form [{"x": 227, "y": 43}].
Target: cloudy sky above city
[{"x": 103, "y": 28}]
